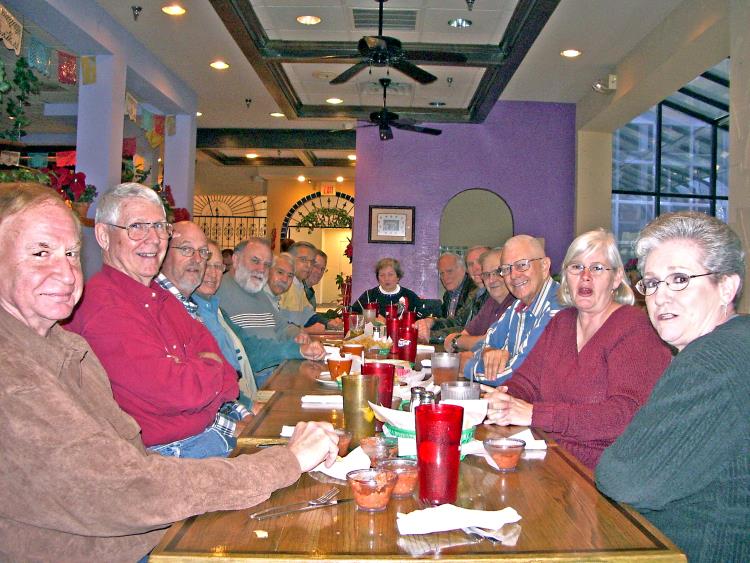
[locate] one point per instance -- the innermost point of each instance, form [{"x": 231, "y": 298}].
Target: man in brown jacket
[{"x": 77, "y": 482}]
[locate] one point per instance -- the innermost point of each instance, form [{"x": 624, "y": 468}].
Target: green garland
[{"x": 326, "y": 217}]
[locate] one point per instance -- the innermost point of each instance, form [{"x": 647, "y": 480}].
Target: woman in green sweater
[{"x": 684, "y": 461}]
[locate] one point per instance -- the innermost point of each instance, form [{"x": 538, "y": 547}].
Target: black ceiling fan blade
[
  {"x": 437, "y": 56},
  {"x": 413, "y": 71},
  {"x": 349, "y": 73},
  {"x": 415, "y": 128}
]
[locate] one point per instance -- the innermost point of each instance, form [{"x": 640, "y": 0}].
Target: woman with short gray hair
[
  {"x": 388, "y": 272},
  {"x": 684, "y": 460}
]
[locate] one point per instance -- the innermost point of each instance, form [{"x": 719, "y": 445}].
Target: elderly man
[
  {"x": 457, "y": 283},
  {"x": 280, "y": 278},
  {"x": 319, "y": 322},
  {"x": 98, "y": 494},
  {"x": 295, "y": 300},
  {"x": 265, "y": 333},
  {"x": 221, "y": 327},
  {"x": 499, "y": 299},
  {"x": 435, "y": 330},
  {"x": 525, "y": 270},
  {"x": 166, "y": 369}
]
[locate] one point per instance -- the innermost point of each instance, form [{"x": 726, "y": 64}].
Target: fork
[{"x": 325, "y": 498}]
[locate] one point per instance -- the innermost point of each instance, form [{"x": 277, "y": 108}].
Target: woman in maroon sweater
[{"x": 596, "y": 362}]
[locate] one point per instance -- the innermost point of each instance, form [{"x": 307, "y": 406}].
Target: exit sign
[{"x": 328, "y": 189}]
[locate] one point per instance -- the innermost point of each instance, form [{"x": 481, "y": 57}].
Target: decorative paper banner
[
  {"x": 10, "y": 158},
  {"x": 38, "y": 160},
  {"x": 170, "y": 124},
  {"x": 67, "y": 68},
  {"x": 88, "y": 70},
  {"x": 66, "y": 158},
  {"x": 38, "y": 55},
  {"x": 147, "y": 119},
  {"x": 159, "y": 124},
  {"x": 131, "y": 106},
  {"x": 154, "y": 139},
  {"x": 128, "y": 147},
  {"x": 11, "y": 30}
]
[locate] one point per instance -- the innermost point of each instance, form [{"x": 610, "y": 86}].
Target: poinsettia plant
[
  {"x": 349, "y": 250},
  {"x": 174, "y": 214},
  {"x": 70, "y": 185}
]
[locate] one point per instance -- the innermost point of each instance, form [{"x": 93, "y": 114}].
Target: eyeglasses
[
  {"x": 518, "y": 266},
  {"x": 139, "y": 231},
  {"x": 217, "y": 266},
  {"x": 595, "y": 269},
  {"x": 319, "y": 269},
  {"x": 675, "y": 282},
  {"x": 188, "y": 251},
  {"x": 487, "y": 276}
]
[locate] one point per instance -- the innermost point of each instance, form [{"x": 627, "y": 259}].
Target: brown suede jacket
[{"x": 77, "y": 482}]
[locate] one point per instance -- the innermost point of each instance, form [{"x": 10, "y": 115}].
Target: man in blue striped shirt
[{"x": 526, "y": 271}]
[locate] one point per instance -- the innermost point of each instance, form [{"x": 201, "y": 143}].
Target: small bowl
[
  {"x": 505, "y": 452},
  {"x": 459, "y": 390},
  {"x": 372, "y": 488},
  {"x": 345, "y": 438},
  {"x": 379, "y": 448},
  {"x": 407, "y": 472}
]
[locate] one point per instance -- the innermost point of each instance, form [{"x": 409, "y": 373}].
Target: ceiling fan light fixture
[
  {"x": 460, "y": 23},
  {"x": 334, "y": 101},
  {"x": 570, "y": 53},
  {"x": 308, "y": 20},
  {"x": 173, "y": 9},
  {"x": 219, "y": 65}
]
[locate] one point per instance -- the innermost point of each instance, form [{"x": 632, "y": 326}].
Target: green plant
[
  {"x": 17, "y": 96},
  {"x": 326, "y": 217},
  {"x": 132, "y": 172},
  {"x": 23, "y": 174}
]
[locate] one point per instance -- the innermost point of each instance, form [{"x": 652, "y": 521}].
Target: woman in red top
[{"x": 596, "y": 362}]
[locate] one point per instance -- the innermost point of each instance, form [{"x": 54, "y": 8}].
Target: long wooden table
[{"x": 564, "y": 517}]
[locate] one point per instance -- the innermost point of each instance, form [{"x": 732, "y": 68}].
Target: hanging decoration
[
  {"x": 10, "y": 158},
  {"x": 131, "y": 106},
  {"x": 147, "y": 119},
  {"x": 38, "y": 160},
  {"x": 88, "y": 70},
  {"x": 65, "y": 158},
  {"x": 67, "y": 68},
  {"x": 39, "y": 56},
  {"x": 11, "y": 30}
]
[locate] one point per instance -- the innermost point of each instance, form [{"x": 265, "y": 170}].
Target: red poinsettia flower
[
  {"x": 349, "y": 250},
  {"x": 181, "y": 214}
]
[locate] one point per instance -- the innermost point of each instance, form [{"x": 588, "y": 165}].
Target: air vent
[{"x": 403, "y": 20}]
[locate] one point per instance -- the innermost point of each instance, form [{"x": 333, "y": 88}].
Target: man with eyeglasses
[
  {"x": 526, "y": 272},
  {"x": 319, "y": 322},
  {"x": 166, "y": 369},
  {"x": 295, "y": 299},
  {"x": 265, "y": 333}
]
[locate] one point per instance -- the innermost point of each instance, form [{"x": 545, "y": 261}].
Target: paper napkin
[
  {"x": 323, "y": 401},
  {"x": 531, "y": 442},
  {"x": 449, "y": 517},
  {"x": 357, "y": 459}
]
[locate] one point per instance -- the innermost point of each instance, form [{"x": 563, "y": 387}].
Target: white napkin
[
  {"x": 476, "y": 447},
  {"x": 531, "y": 442},
  {"x": 449, "y": 517},
  {"x": 287, "y": 431},
  {"x": 404, "y": 392},
  {"x": 425, "y": 348},
  {"x": 474, "y": 413},
  {"x": 357, "y": 459},
  {"x": 323, "y": 401}
]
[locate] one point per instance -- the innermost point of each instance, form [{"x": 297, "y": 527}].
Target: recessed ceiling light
[
  {"x": 459, "y": 22},
  {"x": 352, "y": 157},
  {"x": 437, "y": 104},
  {"x": 308, "y": 20},
  {"x": 158, "y": 160},
  {"x": 301, "y": 178},
  {"x": 339, "y": 179},
  {"x": 277, "y": 114},
  {"x": 219, "y": 65},
  {"x": 251, "y": 155},
  {"x": 173, "y": 10},
  {"x": 198, "y": 113},
  {"x": 570, "y": 53},
  {"x": 334, "y": 101}
]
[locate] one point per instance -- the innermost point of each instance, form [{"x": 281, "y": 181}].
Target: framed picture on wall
[{"x": 391, "y": 224}]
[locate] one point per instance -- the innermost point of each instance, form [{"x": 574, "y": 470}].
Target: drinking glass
[
  {"x": 359, "y": 419},
  {"x": 438, "y": 451},
  {"x": 444, "y": 367},
  {"x": 385, "y": 374}
]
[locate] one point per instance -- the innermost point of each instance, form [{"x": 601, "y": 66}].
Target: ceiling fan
[
  {"x": 385, "y": 119},
  {"x": 383, "y": 51}
]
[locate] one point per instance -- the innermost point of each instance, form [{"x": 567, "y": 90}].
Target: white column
[
  {"x": 593, "y": 181},
  {"x": 179, "y": 161},
  {"x": 739, "y": 133}
]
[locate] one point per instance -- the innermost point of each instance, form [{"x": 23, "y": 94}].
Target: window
[{"x": 674, "y": 157}]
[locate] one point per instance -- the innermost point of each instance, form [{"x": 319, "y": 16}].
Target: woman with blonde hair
[{"x": 595, "y": 363}]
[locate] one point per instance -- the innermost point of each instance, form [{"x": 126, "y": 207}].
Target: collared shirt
[
  {"x": 187, "y": 302},
  {"x": 455, "y": 295},
  {"x": 516, "y": 331},
  {"x": 231, "y": 411}
]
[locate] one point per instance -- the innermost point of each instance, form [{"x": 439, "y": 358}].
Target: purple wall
[{"x": 524, "y": 152}]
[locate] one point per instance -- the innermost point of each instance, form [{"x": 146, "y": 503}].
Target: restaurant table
[{"x": 564, "y": 517}]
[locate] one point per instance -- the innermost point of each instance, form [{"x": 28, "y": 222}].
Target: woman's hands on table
[
  {"x": 313, "y": 442},
  {"x": 312, "y": 351},
  {"x": 505, "y": 410}
]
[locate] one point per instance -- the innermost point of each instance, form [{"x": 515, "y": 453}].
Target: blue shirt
[
  {"x": 516, "y": 331},
  {"x": 208, "y": 312}
]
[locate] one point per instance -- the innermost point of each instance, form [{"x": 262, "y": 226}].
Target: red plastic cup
[
  {"x": 407, "y": 344},
  {"x": 392, "y": 324},
  {"x": 385, "y": 374},
  {"x": 391, "y": 310},
  {"x": 345, "y": 316},
  {"x": 408, "y": 319},
  {"x": 438, "y": 452}
]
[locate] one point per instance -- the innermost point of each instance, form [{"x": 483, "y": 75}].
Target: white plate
[{"x": 325, "y": 380}]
